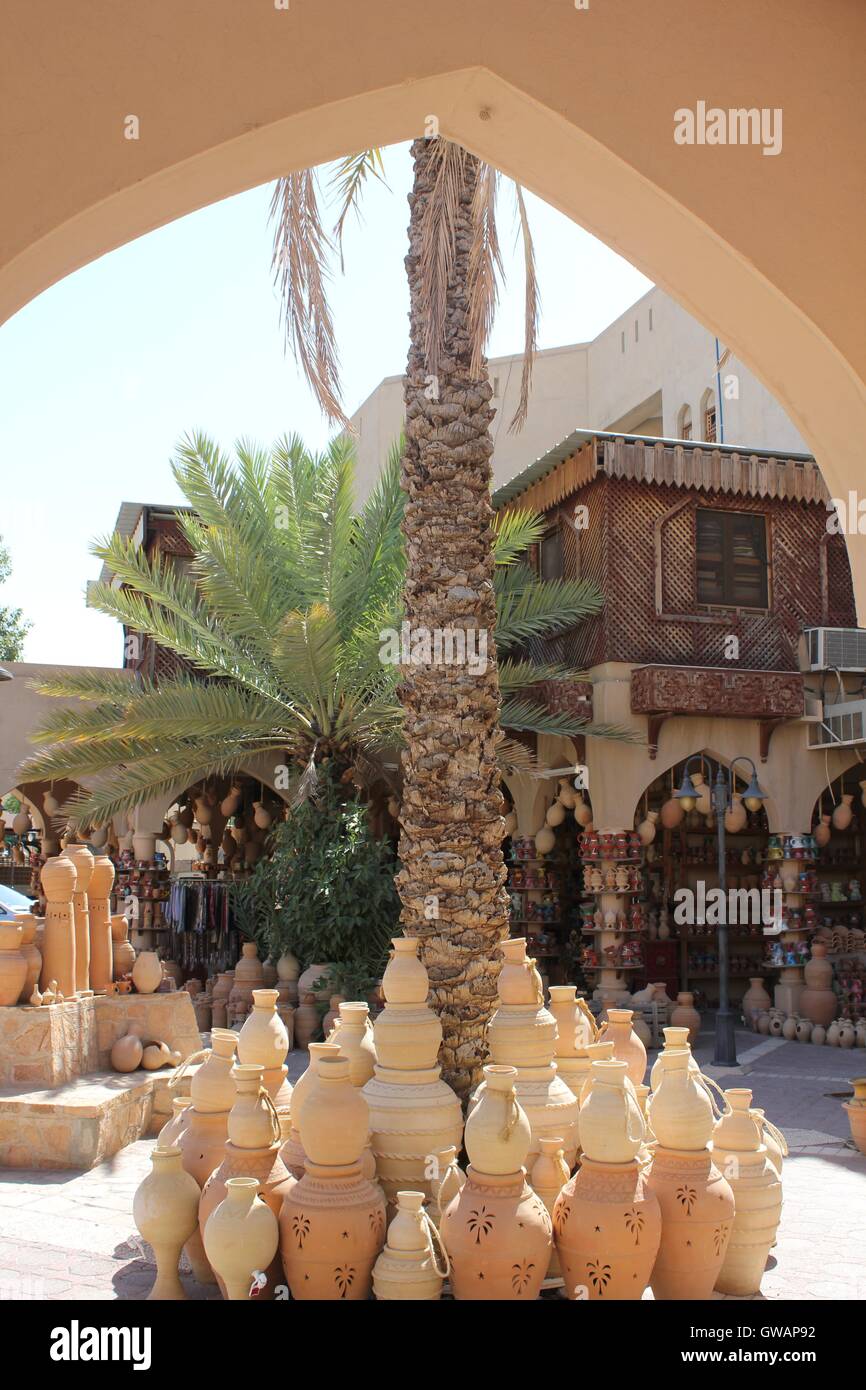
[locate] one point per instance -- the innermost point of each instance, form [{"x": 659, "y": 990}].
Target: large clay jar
[
  {"x": 743, "y": 1160},
  {"x": 306, "y": 1021},
  {"x": 519, "y": 982},
  {"x": 212, "y": 1087},
  {"x": 574, "y": 1032},
  {"x": 253, "y": 1122},
  {"x": 756, "y": 1001},
  {"x": 80, "y": 856},
  {"x": 547, "y": 1179},
  {"x": 774, "y": 1140},
  {"x": 607, "y": 1226},
  {"x": 405, "y": 979},
  {"x": 288, "y": 970},
  {"x": 842, "y": 814},
  {"x": 122, "y": 950},
  {"x": 292, "y": 1152},
  {"x": 241, "y": 1237},
  {"x": 356, "y": 1042},
  {"x": 406, "y": 1036},
  {"x": 818, "y": 1003},
  {"x": 611, "y": 1124},
  {"x": 58, "y": 877},
  {"x": 697, "y": 1208},
  {"x": 685, "y": 1015},
  {"x": 334, "y": 1120},
  {"x": 856, "y": 1112},
  {"x": 680, "y": 1110},
  {"x": 31, "y": 953},
  {"x": 99, "y": 916},
  {"x": 627, "y": 1046},
  {"x": 165, "y": 1210},
  {"x": 147, "y": 972},
  {"x": 174, "y": 1127},
  {"x": 127, "y": 1052},
  {"x": 448, "y": 1178},
  {"x": 263, "y": 1040},
  {"x": 202, "y": 1143},
  {"x": 274, "y": 1181},
  {"x": 13, "y": 964},
  {"x": 497, "y": 1232},
  {"x": 249, "y": 974},
  {"x": 313, "y": 981},
  {"x": 524, "y": 1035},
  {"x": 411, "y": 1264},
  {"x": 672, "y": 814}
]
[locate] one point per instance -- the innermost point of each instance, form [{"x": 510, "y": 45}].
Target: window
[
  {"x": 684, "y": 423},
  {"x": 550, "y": 559},
  {"x": 731, "y": 552},
  {"x": 708, "y": 416}
]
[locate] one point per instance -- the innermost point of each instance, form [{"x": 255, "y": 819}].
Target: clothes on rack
[{"x": 200, "y": 913}]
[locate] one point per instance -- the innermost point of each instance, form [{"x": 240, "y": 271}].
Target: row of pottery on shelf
[{"x": 842, "y": 1033}]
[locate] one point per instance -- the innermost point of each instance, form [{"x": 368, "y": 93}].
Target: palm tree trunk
[{"x": 452, "y": 880}]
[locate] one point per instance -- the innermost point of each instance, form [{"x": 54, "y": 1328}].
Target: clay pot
[
  {"x": 411, "y": 1264},
  {"x": 212, "y": 1087},
  {"x": 332, "y": 1016},
  {"x": 448, "y": 1178},
  {"x": 202, "y": 1144},
  {"x": 407, "y": 1037},
  {"x": 99, "y": 915},
  {"x": 697, "y": 1209},
  {"x": 405, "y": 979},
  {"x": 595, "y": 1052},
  {"x": 334, "y": 1120},
  {"x": 627, "y": 1046},
  {"x": 356, "y": 1042},
  {"x": 147, "y": 972},
  {"x": 819, "y": 1034},
  {"x": 165, "y": 1210},
  {"x": 789, "y": 1028},
  {"x": 545, "y": 841},
  {"x": 332, "y": 1227},
  {"x": 203, "y": 810},
  {"x": 306, "y": 1021},
  {"x": 280, "y": 1091},
  {"x": 274, "y": 1181},
  {"x": 519, "y": 982},
  {"x": 203, "y": 1009},
  {"x": 263, "y": 1040},
  {"x": 80, "y": 856},
  {"x": 817, "y": 1001},
  {"x": 773, "y": 1139},
  {"x": 122, "y": 950},
  {"x": 685, "y": 1015},
  {"x": 823, "y": 832},
  {"x": 174, "y": 1127},
  {"x": 856, "y": 1113},
  {"x": 777, "y": 1023},
  {"x": 847, "y": 1033},
  {"x": 159, "y": 1054},
  {"x": 288, "y": 968},
  {"x": 13, "y": 963},
  {"x": 607, "y": 1227},
  {"x": 509, "y": 825},
  {"x": 31, "y": 953},
  {"x": 611, "y": 1123},
  {"x": 413, "y": 1114},
  {"x": 249, "y": 974},
  {"x": 497, "y": 1135},
  {"x": 843, "y": 815},
  {"x": 804, "y": 1030},
  {"x": 555, "y": 814},
  {"x": 547, "y": 1179},
  {"x": 293, "y": 1150},
  {"x": 755, "y": 1001},
  {"x": 737, "y": 817},
  {"x": 672, "y": 814},
  {"x": 498, "y": 1236},
  {"x": 253, "y": 1122},
  {"x": 58, "y": 878},
  {"x": 582, "y": 812},
  {"x": 127, "y": 1052},
  {"x": 680, "y": 1109},
  {"x": 310, "y": 982},
  {"x": 241, "y": 1237},
  {"x": 745, "y": 1163}
]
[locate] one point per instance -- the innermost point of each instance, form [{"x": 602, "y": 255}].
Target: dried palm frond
[
  {"x": 485, "y": 263},
  {"x": 532, "y": 306},
  {"x": 438, "y": 241},
  {"x": 347, "y": 181}
]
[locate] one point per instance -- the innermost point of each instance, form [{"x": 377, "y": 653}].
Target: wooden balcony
[{"x": 661, "y": 692}]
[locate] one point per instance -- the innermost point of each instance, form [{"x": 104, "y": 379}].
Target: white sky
[{"x": 102, "y": 374}]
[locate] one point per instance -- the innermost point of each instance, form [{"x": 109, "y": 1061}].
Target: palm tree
[{"x": 281, "y": 617}]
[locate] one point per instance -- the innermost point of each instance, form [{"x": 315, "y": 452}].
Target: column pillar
[{"x": 791, "y": 981}]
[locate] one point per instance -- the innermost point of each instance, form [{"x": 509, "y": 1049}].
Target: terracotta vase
[
  {"x": 332, "y": 1016},
  {"x": 607, "y": 1226},
  {"x": 413, "y": 1263},
  {"x": 263, "y": 1040},
  {"x": 847, "y": 1033},
  {"x": 547, "y": 1179},
  {"x": 627, "y": 1046},
  {"x": 122, "y": 950},
  {"x": 212, "y": 1088},
  {"x": 697, "y": 1210},
  {"x": 519, "y": 982},
  {"x": 241, "y": 1237},
  {"x": 789, "y": 1028},
  {"x": 524, "y": 1035},
  {"x": 174, "y": 1127},
  {"x": 202, "y": 1143},
  {"x": 647, "y": 828},
  {"x": 856, "y": 1112},
  {"x": 58, "y": 878},
  {"x": 313, "y": 981},
  {"x": 413, "y": 1115},
  {"x": 498, "y": 1134},
  {"x": 127, "y": 1052},
  {"x": 306, "y": 1021},
  {"x": 672, "y": 814},
  {"x": 332, "y": 1227},
  {"x": 680, "y": 1109},
  {"x": 685, "y": 1015},
  {"x": 334, "y": 1119},
  {"x": 147, "y": 972},
  {"x": 165, "y": 1210},
  {"x": 292, "y": 1152},
  {"x": 611, "y": 1124},
  {"x": 843, "y": 815},
  {"x": 13, "y": 963},
  {"x": 743, "y": 1160},
  {"x": 405, "y": 979},
  {"x": 595, "y": 1052},
  {"x": 499, "y": 1237},
  {"x": 818, "y": 1001},
  {"x": 274, "y": 1181},
  {"x": 447, "y": 1180},
  {"x": 159, "y": 1054},
  {"x": 253, "y": 1122},
  {"x": 755, "y": 1001},
  {"x": 356, "y": 1042},
  {"x": 406, "y": 1036},
  {"x": 737, "y": 817},
  {"x": 31, "y": 953},
  {"x": 279, "y": 1088},
  {"x": 249, "y": 974},
  {"x": 574, "y": 1032},
  {"x": 80, "y": 856}
]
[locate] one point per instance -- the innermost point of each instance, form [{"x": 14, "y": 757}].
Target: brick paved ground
[{"x": 71, "y": 1235}]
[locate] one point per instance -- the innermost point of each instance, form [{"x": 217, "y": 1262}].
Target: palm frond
[
  {"x": 518, "y": 675},
  {"x": 514, "y": 532},
  {"x": 438, "y": 242},
  {"x": 348, "y": 181},
  {"x": 485, "y": 264},
  {"x": 532, "y": 309}
]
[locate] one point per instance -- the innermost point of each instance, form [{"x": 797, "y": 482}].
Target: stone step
[{"x": 75, "y": 1125}]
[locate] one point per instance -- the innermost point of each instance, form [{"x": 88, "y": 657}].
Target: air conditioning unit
[
  {"x": 843, "y": 725},
  {"x": 823, "y": 648}
]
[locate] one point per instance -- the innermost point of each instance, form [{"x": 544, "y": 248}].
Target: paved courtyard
[{"x": 71, "y": 1235}]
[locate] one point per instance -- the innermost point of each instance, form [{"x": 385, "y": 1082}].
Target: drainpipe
[{"x": 719, "y": 395}]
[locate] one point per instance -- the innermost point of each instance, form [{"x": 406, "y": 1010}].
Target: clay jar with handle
[
  {"x": 274, "y": 1181},
  {"x": 173, "y": 1128},
  {"x": 611, "y": 1125},
  {"x": 607, "y": 1226},
  {"x": 676, "y": 1040},
  {"x": 165, "y": 1210},
  {"x": 147, "y": 972},
  {"x": 774, "y": 1140},
  {"x": 253, "y": 1122},
  {"x": 627, "y": 1046},
  {"x": 356, "y": 1041},
  {"x": 446, "y": 1183},
  {"x": 743, "y": 1160},
  {"x": 99, "y": 916},
  {"x": 335, "y": 1119},
  {"x": 497, "y": 1134},
  {"x": 212, "y": 1088},
  {"x": 241, "y": 1237},
  {"x": 596, "y": 1052},
  {"x": 263, "y": 1040},
  {"x": 80, "y": 856},
  {"x": 58, "y": 877},
  {"x": 405, "y": 979},
  {"x": 519, "y": 982},
  {"x": 31, "y": 953},
  {"x": 413, "y": 1263},
  {"x": 292, "y": 1152},
  {"x": 122, "y": 949},
  {"x": 680, "y": 1111},
  {"x": 547, "y": 1179},
  {"x": 13, "y": 965}
]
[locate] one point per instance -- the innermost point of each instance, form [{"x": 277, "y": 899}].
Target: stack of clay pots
[
  {"x": 288, "y": 971},
  {"x": 58, "y": 879},
  {"x": 82, "y": 859},
  {"x": 575, "y": 1031},
  {"x": 122, "y": 949},
  {"x": 818, "y": 1003},
  {"x": 607, "y": 1223},
  {"x": 497, "y": 1231},
  {"x": 332, "y": 1222},
  {"x": 249, "y": 975},
  {"x": 413, "y": 1263},
  {"x": 413, "y": 1113},
  {"x": 292, "y": 1152},
  {"x": 742, "y": 1157},
  {"x": 522, "y": 1033},
  {"x": 203, "y": 1138},
  {"x": 263, "y": 1041}
]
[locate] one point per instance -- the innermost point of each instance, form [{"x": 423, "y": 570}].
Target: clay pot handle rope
[
  {"x": 707, "y": 1082},
  {"x": 641, "y": 1135},
  {"x": 433, "y": 1240},
  {"x": 187, "y": 1062},
  {"x": 777, "y": 1135},
  {"x": 275, "y": 1114},
  {"x": 587, "y": 1013},
  {"x": 511, "y": 1110}
]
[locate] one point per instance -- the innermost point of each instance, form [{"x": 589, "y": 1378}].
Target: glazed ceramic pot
[
  {"x": 697, "y": 1209},
  {"x": 335, "y": 1119},
  {"x": 405, "y": 979},
  {"x": 127, "y": 1052},
  {"x": 202, "y": 1143},
  {"x": 499, "y": 1237},
  {"x": 413, "y": 1264},
  {"x": 147, "y": 972},
  {"x": 274, "y": 1180},
  {"x": 13, "y": 963},
  {"x": 818, "y": 1001},
  {"x": 99, "y": 915},
  {"x": 174, "y": 1127},
  {"x": 80, "y": 856},
  {"x": 755, "y": 1001},
  {"x": 627, "y": 1046},
  {"x": 356, "y": 1042},
  {"x": 306, "y": 1021},
  {"x": 519, "y": 982},
  {"x": 58, "y": 877},
  {"x": 685, "y": 1015},
  {"x": 212, "y": 1087},
  {"x": 743, "y": 1160},
  {"x": 611, "y": 1123},
  {"x": 447, "y": 1180},
  {"x": 122, "y": 950},
  {"x": 263, "y": 1040},
  {"x": 498, "y": 1135},
  {"x": 547, "y": 1179},
  {"x": 607, "y": 1227},
  {"x": 292, "y": 1152},
  {"x": 241, "y": 1237},
  {"x": 165, "y": 1210},
  {"x": 332, "y": 1227},
  {"x": 253, "y": 1122},
  {"x": 680, "y": 1110},
  {"x": 31, "y": 953}
]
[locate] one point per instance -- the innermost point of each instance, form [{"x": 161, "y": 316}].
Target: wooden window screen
[{"x": 731, "y": 551}]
